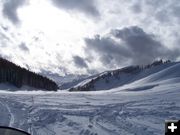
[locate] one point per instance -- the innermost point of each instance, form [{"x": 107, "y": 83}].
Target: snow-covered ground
[{"x": 139, "y": 108}]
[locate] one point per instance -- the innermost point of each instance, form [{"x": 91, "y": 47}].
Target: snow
[
  {"x": 138, "y": 108},
  {"x": 118, "y": 78}
]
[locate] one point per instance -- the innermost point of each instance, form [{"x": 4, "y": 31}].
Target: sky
[{"x": 88, "y": 36}]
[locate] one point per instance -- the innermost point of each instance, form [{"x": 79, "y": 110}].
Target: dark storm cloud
[
  {"x": 176, "y": 11},
  {"x": 86, "y": 6},
  {"x": 107, "y": 49},
  {"x": 10, "y": 9},
  {"x": 24, "y": 47},
  {"x": 136, "y": 7},
  {"x": 79, "y": 62},
  {"x": 128, "y": 44},
  {"x": 143, "y": 47}
]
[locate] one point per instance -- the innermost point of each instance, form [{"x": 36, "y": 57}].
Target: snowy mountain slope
[
  {"x": 164, "y": 74},
  {"x": 116, "y": 78},
  {"x": 66, "y": 81},
  {"x": 138, "y": 108},
  {"x": 169, "y": 75}
]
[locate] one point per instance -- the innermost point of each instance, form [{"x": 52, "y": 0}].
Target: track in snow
[
  {"x": 138, "y": 108},
  {"x": 125, "y": 112}
]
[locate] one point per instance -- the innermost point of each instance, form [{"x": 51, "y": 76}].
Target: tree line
[
  {"x": 116, "y": 74},
  {"x": 18, "y": 76}
]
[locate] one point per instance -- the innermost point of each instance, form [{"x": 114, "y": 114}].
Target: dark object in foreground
[
  {"x": 18, "y": 76},
  {"x": 11, "y": 131}
]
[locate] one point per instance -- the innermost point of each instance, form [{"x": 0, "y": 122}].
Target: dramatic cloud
[
  {"x": 155, "y": 33},
  {"x": 86, "y": 6},
  {"x": 10, "y": 9},
  {"x": 128, "y": 44},
  {"x": 79, "y": 62},
  {"x": 107, "y": 49},
  {"x": 23, "y": 47}
]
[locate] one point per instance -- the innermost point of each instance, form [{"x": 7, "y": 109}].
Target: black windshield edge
[{"x": 15, "y": 129}]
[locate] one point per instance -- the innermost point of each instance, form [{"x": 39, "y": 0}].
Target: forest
[{"x": 18, "y": 76}]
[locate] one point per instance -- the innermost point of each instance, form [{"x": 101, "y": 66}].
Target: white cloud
[{"x": 55, "y": 35}]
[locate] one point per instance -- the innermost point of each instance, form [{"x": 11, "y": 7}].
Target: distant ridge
[
  {"x": 119, "y": 77},
  {"x": 18, "y": 76}
]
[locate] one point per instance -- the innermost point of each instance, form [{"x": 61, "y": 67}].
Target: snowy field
[{"x": 139, "y": 108}]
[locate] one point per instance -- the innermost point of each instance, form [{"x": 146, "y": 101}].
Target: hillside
[
  {"x": 18, "y": 76},
  {"x": 136, "y": 108},
  {"x": 119, "y": 77}
]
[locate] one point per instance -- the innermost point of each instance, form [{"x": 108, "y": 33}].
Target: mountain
[
  {"x": 119, "y": 77},
  {"x": 18, "y": 76},
  {"x": 139, "y": 105},
  {"x": 66, "y": 81}
]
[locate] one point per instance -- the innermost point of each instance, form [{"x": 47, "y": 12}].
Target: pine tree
[{"x": 18, "y": 76}]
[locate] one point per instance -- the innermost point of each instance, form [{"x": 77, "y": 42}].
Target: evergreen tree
[{"x": 18, "y": 76}]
